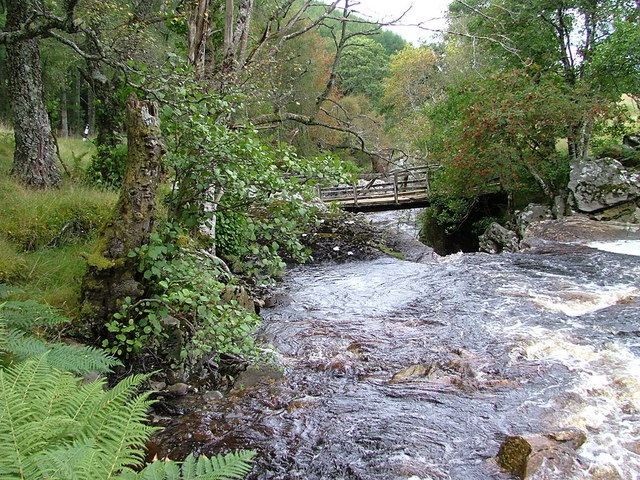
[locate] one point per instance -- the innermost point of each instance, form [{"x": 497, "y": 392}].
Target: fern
[
  {"x": 221, "y": 467},
  {"x": 70, "y": 358},
  {"x": 24, "y": 316},
  {"x": 51, "y": 426},
  {"x": 18, "y": 318}
]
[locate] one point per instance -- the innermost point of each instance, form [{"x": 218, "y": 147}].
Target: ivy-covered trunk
[
  {"x": 111, "y": 274},
  {"x": 34, "y": 161}
]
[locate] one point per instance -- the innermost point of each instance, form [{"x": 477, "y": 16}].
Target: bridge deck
[{"x": 402, "y": 189}]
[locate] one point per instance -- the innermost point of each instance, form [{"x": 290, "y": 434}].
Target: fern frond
[
  {"x": 26, "y": 315},
  {"x": 71, "y": 462},
  {"x": 227, "y": 467},
  {"x": 118, "y": 421},
  {"x": 221, "y": 467},
  {"x": 69, "y": 358},
  {"x": 29, "y": 395}
]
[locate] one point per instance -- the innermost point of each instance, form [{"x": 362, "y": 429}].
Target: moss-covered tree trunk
[{"x": 111, "y": 275}]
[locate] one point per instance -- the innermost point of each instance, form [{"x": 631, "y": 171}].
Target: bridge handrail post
[
  {"x": 428, "y": 181},
  {"x": 355, "y": 194},
  {"x": 395, "y": 187}
]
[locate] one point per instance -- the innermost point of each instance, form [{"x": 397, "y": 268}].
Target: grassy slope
[{"x": 44, "y": 233}]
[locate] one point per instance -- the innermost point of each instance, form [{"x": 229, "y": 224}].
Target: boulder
[
  {"x": 531, "y": 214},
  {"x": 498, "y": 239},
  {"x": 600, "y": 184},
  {"x": 632, "y": 140},
  {"x": 524, "y": 455}
]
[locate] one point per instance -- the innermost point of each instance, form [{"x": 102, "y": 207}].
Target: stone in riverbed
[
  {"x": 498, "y": 239},
  {"x": 524, "y": 455}
]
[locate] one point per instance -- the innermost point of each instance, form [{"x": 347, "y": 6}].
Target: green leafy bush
[{"x": 186, "y": 289}]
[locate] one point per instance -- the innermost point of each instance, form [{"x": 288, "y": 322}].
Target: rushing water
[{"x": 399, "y": 370}]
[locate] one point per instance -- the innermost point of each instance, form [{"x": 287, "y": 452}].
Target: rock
[
  {"x": 178, "y": 389},
  {"x": 257, "y": 375},
  {"x": 602, "y": 183},
  {"x": 531, "y": 214},
  {"x": 212, "y": 396},
  {"x": 414, "y": 371},
  {"x": 632, "y": 140},
  {"x": 157, "y": 386},
  {"x": 578, "y": 229},
  {"x": 524, "y": 455},
  {"x": 627, "y": 212},
  {"x": 498, "y": 239},
  {"x": 239, "y": 295}
]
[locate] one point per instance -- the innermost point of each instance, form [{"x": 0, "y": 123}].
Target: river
[{"x": 400, "y": 370}]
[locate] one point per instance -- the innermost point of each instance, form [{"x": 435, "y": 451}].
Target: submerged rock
[{"x": 524, "y": 455}]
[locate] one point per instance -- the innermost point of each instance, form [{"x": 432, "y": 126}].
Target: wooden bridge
[{"x": 374, "y": 192}]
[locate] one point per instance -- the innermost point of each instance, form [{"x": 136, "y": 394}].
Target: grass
[{"x": 43, "y": 234}]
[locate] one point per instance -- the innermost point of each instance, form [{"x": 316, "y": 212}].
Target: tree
[
  {"x": 554, "y": 38},
  {"x": 411, "y": 82},
  {"x": 363, "y": 69},
  {"x": 34, "y": 161},
  {"x": 111, "y": 273},
  {"x": 499, "y": 133}
]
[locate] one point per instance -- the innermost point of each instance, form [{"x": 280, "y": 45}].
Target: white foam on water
[
  {"x": 578, "y": 300},
  {"x": 626, "y": 247},
  {"x": 604, "y": 401}
]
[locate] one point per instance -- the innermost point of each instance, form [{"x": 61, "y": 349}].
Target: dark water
[{"x": 398, "y": 370}]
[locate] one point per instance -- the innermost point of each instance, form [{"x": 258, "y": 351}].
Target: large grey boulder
[
  {"x": 600, "y": 184},
  {"x": 530, "y": 214},
  {"x": 498, "y": 239}
]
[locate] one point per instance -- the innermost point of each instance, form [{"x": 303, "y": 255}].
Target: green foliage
[
  {"x": 616, "y": 62},
  {"x": 501, "y": 133},
  {"x": 363, "y": 69},
  {"x": 448, "y": 211},
  {"x": 219, "y": 169},
  {"x": 227, "y": 467},
  {"x": 185, "y": 289},
  {"x": 107, "y": 166},
  {"x": 20, "y": 319},
  {"x": 52, "y": 426}
]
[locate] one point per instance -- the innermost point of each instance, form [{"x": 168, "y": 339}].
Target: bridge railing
[{"x": 391, "y": 186}]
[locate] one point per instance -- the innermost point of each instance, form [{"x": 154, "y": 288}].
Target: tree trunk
[
  {"x": 107, "y": 115},
  {"x": 34, "y": 160},
  {"x": 579, "y": 140},
  {"x": 199, "y": 30},
  {"x": 111, "y": 274},
  {"x": 64, "y": 118},
  {"x": 91, "y": 108}
]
